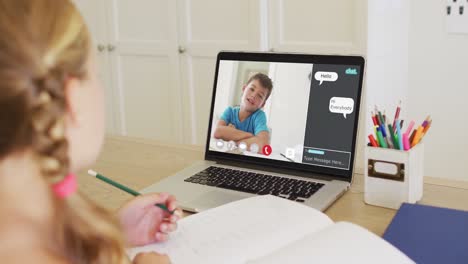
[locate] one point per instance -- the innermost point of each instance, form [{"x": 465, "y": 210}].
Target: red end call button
[{"x": 266, "y": 150}]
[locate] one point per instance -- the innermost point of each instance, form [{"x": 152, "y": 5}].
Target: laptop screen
[{"x": 287, "y": 110}]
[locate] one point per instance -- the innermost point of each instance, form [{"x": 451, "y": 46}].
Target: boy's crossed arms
[{"x": 229, "y": 132}]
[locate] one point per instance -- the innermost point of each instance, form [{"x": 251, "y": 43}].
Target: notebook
[
  {"x": 429, "y": 234},
  {"x": 280, "y": 123},
  {"x": 268, "y": 229}
]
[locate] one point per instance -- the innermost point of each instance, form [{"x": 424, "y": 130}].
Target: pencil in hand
[{"x": 124, "y": 188}]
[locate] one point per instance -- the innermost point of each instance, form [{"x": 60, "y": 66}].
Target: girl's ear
[
  {"x": 73, "y": 100},
  {"x": 243, "y": 88}
]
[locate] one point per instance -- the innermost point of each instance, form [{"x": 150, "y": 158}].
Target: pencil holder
[{"x": 393, "y": 176}]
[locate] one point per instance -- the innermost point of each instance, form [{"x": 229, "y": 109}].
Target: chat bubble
[
  {"x": 341, "y": 105},
  {"x": 326, "y": 76}
]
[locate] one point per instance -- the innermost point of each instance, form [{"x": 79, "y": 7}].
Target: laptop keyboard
[{"x": 256, "y": 183}]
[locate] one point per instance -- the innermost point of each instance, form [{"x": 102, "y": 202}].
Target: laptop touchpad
[{"x": 215, "y": 198}]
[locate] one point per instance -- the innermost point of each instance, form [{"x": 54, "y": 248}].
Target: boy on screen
[{"x": 247, "y": 122}]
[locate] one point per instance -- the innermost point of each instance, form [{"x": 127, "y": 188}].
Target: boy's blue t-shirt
[{"x": 255, "y": 123}]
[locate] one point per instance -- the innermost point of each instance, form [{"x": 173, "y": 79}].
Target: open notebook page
[
  {"x": 339, "y": 243},
  {"x": 239, "y": 231}
]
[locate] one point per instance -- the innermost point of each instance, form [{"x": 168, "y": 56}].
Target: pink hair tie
[{"x": 66, "y": 187}]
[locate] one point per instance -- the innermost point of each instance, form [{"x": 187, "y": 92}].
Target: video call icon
[
  {"x": 220, "y": 143},
  {"x": 243, "y": 146},
  {"x": 231, "y": 145},
  {"x": 254, "y": 148},
  {"x": 290, "y": 153}
]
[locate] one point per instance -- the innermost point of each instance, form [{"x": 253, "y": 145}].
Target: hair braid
[
  {"x": 43, "y": 42},
  {"x": 49, "y": 125}
]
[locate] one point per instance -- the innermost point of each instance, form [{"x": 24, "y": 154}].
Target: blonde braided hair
[{"x": 42, "y": 43}]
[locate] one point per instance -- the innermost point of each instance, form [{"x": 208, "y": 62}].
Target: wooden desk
[{"x": 138, "y": 163}]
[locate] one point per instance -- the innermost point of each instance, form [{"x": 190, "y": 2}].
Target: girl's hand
[
  {"x": 151, "y": 258},
  {"x": 144, "y": 223}
]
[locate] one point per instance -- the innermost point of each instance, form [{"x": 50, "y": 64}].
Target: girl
[{"x": 51, "y": 125}]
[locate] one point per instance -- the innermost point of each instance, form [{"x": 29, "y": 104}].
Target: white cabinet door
[
  {"x": 317, "y": 26},
  {"x": 145, "y": 67},
  {"x": 94, "y": 13},
  {"x": 205, "y": 28}
]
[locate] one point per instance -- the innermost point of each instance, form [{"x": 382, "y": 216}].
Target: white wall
[
  {"x": 411, "y": 57},
  {"x": 289, "y": 104},
  {"x": 387, "y": 56},
  {"x": 226, "y": 79},
  {"x": 438, "y": 85}
]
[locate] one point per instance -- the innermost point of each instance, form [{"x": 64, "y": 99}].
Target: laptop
[{"x": 302, "y": 138}]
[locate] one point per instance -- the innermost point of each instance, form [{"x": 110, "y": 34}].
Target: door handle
[
  {"x": 110, "y": 48},
  {"x": 101, "y": 47}
]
